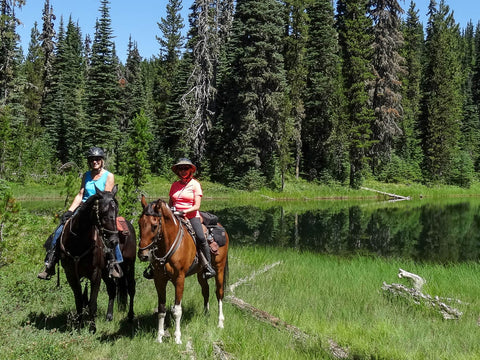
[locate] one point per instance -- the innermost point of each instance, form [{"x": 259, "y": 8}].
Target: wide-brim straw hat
[{"x": 184, "y": 161}]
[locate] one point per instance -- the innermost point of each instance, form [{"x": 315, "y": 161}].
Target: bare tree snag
[{"x": 415, "y": 294}]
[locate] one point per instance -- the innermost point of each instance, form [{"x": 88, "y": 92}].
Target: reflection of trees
[{"x": 431, "y": 232}]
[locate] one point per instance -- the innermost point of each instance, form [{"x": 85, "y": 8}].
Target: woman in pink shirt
[{"x": 185, "y": 198}]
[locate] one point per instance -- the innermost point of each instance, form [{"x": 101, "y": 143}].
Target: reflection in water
[{"x": 432, "y": 232}]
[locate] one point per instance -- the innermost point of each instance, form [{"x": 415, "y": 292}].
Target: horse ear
[
  {"x": 97, "y": 190},
  {"x": 115, "y": 189},
  {"x": 144, "y": 201}
]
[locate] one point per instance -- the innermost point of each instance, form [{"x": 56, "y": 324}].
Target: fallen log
[{"x": 394, "y": 196}]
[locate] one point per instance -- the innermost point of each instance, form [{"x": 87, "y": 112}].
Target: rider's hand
[
  {"x": 180, "y": 213},
  {"x": 67, "y": 215}
]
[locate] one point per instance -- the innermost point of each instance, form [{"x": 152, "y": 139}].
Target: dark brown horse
[
  {"x": 166, "y": 242},
  {"x": 83, "y": 255}
]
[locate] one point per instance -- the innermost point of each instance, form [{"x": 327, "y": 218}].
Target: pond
[
  {"x": 425, "y": 231},
  {"x": 446, "y": 231}
]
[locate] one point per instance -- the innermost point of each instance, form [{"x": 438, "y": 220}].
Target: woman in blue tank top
[{"x": 97, "y": 177}]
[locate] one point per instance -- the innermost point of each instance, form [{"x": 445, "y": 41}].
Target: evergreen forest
[{"x": 255, "y": 93}]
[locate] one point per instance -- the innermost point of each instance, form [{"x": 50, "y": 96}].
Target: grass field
[{"x": 317, "y": 302}]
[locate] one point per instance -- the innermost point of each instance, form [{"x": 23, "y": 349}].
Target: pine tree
[
  {"x": 470, "y": 140},
  {"x": 385, "y": 89},
  {"x": 255, "y": 90},
  {"x": 33, "y": 68},
  {"x": 168, "y": 126},
  {"x": 8, "y": 46},
  {"x": 355, "y": 39},
  {"x": 209, "y": 26},
  {"x": 48, "y": 45},
  {"x": 135, "y": 164},
  {"x": 442, "y": 104},
  {"x": 296, "y": 72},
  {"x": 102, "y": 86},
  {"x": 407, "y": 147},
  {"x": 324, "y": 149}
]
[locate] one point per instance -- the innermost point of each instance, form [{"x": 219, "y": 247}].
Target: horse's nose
[{"x": 142, "y": 255}]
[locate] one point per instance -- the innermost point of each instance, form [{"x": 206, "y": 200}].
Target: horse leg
[
  {"x": 111, "y": 291},
  {"x": 131, "y": 290},
  {"x": 205, "y": 291},
  {"x": 92, "y": 304},
  {"x": 177, "y": 308},
  {"x": 161, "y": 286},
  {"x": 219, "y": 283}
]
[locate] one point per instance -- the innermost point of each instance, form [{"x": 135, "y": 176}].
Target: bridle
[
  {"x": 153, "y": 246},
  {"x": 104, "y": 232}
]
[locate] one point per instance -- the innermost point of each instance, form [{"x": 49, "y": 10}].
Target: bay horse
[
  {"x": 83, "y": 255},
  {"x": 169, "y": 246}
]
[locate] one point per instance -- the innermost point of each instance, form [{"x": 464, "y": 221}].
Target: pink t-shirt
[{"x": 183, "y": 196}]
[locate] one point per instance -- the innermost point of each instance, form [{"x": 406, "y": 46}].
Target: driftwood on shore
[
  {"x": 415, "y": 294},
  {"x": 393, "y": 196}
]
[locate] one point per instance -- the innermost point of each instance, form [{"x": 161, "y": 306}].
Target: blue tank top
[{"x": 89, "y": 187}]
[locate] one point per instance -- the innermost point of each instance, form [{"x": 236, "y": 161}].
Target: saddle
[{"x": 122, "y": 226}]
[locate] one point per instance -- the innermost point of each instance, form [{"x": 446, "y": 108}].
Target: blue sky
[{"x": 139, "y": 18}]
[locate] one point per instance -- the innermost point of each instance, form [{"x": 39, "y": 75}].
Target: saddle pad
[{"x": 122, "y": 226}]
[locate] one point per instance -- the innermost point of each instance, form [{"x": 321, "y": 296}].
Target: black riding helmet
[{"x": 95, "y": 152}]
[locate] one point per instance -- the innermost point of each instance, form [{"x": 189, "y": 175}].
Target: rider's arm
[
  {"x": 110, "y": 182},
  {"x": 78, "y": 198},
  {"x": 196, "y": 204}
]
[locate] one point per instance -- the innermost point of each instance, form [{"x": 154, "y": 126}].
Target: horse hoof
[{"x": 109, "y": 317}]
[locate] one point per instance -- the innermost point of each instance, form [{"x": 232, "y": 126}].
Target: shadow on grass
[
  {"x": 61, "y": 322},
  {"x": 146, "y": 324}
]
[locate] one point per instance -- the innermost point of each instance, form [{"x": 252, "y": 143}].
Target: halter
[{"x": 153, "y": 246}]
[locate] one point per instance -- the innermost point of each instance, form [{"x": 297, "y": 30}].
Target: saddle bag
[
  {"x": 218, "y": 233},
  {"x": 209, "y": 219}
]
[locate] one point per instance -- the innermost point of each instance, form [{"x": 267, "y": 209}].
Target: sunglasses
[
  {"x": 92, "y": 159},
  {"x": 183, "y": 167}
]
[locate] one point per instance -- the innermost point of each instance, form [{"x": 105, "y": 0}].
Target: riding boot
[
  {"x": 51, "y": 260},
  {"x": 114, "y": 269},
  {"x": 208, "y": 271}
]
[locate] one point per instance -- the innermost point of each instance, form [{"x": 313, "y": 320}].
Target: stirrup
[{"x": 209, "y": 272}]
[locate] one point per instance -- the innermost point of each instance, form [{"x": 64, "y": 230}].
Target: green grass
[{"x": 326, "y": 297}]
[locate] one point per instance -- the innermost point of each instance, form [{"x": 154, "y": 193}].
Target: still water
[{"x": 424, "y": 230}]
